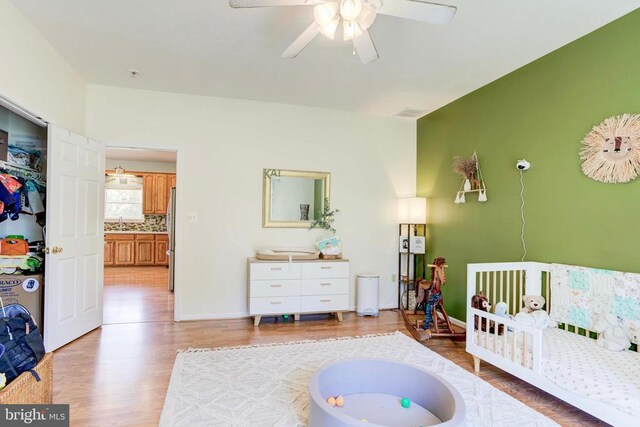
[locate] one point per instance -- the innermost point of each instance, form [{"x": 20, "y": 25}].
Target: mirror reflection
[{"x": 293, "y": 198}]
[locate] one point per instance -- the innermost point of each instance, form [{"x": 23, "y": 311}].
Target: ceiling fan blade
[
  {"x": 366, "y": 49},
  {"x": 271, "y": 3},
  {"x": 419, "y": 10},
  {"x": 301, "y": 42}
]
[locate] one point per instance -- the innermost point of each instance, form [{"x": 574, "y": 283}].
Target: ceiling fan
[{"x": 356, "y": 17}]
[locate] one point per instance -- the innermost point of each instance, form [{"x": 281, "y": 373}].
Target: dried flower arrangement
[{"x": 469, "y": 171}]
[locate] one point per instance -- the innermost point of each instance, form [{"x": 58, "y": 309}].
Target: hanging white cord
[{"x": 524, "y": 223}]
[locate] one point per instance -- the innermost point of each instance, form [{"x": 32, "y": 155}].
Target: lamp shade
[{"x": 412, "y": 210}]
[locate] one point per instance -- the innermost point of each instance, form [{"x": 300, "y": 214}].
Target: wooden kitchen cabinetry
[
  {"x": 123, "y": 251},
  {"x": 143, "y": 249},
  {"x": 155, "y": 188},
  {"x": 108, "y": 252},
  {"x": 162, "y": 246}
]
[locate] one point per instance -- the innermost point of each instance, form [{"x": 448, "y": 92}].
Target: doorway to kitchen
[{"x": 139, "y": 232}]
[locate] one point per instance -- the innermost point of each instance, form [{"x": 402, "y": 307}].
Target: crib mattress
[{"x": 575, "y": 363}]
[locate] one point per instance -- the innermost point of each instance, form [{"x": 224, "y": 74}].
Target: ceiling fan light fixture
[
  {"x": 350, "y": 9},
  {"x": 325, "y": 13},
  {"x": 351, "y": 30},
  {"x": 329, "y": 30}
]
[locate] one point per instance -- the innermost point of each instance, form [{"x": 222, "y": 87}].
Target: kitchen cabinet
[
  {"x": 124, "y": 252},
  {"x": 108, "y": 252},
  {"x": 145, "y": 249},
  {"x": 155, "y": 190},
  {"x": 141, "y": 249},
  {"x": 162, "y": 246},
  {"x": 161, "y": 193},
  {"x": 148, "y": 193}
]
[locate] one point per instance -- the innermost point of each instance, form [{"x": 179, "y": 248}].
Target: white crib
[{"x": 520, "y": 351}]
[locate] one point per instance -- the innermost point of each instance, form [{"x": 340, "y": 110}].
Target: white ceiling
[
  {"x": 205, "y": 47},
  {"x": 141, "y": 155}
]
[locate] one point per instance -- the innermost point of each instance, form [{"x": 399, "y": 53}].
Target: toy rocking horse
[{"x": 429, "y": 296}]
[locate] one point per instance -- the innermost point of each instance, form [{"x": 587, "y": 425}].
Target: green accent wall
[{"x": 540, "y": 112}]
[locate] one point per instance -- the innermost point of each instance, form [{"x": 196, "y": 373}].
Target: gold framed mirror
[{"x": 293, "y": 199}]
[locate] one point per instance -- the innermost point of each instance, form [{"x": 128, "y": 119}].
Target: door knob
[{"x": 56, "y": 250}]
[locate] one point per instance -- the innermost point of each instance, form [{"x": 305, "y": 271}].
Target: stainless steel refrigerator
[{"x": 171, "y": 229}]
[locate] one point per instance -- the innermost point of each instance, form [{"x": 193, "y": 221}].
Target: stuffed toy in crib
[
  {"x": 610, "y": 335},
  {"x": 532, "y": 313},
  {"x": 480, "y": 302}
]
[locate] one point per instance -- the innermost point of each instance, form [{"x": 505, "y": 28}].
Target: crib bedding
[{"x": 575, "y": 363}]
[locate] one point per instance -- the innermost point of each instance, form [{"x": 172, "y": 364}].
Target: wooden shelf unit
[{"x": 406, "y": 283}]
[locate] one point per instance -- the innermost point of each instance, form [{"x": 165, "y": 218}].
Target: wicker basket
[{"x": 25, "y": 389}]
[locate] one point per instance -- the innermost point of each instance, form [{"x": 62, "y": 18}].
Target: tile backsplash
[{"x": 154, "y": 223}]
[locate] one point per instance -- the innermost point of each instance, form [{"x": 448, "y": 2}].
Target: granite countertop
[{"x": 136, "y": 232}]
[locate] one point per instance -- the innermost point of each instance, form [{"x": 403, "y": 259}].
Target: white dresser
[{"x": 299, "y": 287}]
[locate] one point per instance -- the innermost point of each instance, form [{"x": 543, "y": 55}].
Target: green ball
[{"x": 405, "y": 402}]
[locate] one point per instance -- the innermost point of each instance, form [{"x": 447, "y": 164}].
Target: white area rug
[{"x": 266, "y": 385}]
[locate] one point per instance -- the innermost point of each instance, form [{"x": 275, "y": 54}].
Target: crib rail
[
  {"x": 517, "y": 344},
  {"x": 508, "y": 282}
]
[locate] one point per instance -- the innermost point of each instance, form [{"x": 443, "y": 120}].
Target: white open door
[{"x": 75, "y": 237}]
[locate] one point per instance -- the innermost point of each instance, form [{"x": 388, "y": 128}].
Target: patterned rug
[{"x": 267, "y": 385}]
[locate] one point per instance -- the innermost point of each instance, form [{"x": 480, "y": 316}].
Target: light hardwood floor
[
  {"x": 119, "y": 374},
  {"x": 137, "y": 294}
]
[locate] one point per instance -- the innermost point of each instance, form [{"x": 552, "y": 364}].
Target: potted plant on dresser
[{"x": 329, "y": 246}]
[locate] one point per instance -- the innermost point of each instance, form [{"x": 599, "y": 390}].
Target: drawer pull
[
  {"x": 275, "y": 303},
  {"x": 276, "y": 268},
  {"x": 325, "y": 268},
  {"x": 276, "y": 286},
  {"x": 325, "y": 284},
  {"x": 325, "y": 300}
]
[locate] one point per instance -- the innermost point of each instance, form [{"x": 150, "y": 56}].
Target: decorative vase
[
  {"x": 304, "y": 212},
  {"x": 467, "y": 185}
]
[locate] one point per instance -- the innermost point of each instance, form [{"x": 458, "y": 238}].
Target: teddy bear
[
  {"x": 532, "y": 313},
  {"x": 480, "y": 302},
  {"x": 610, "y": 335},
  {"x": 532, "y": 303}
]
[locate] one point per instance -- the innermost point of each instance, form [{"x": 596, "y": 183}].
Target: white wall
[
  {"x": 35, "y": 76},
  {"x": 224, "y": 146},
  {"x": 141, "y": 166}
]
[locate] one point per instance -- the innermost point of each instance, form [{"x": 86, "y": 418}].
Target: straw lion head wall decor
[{"x": 611, "y": 151}]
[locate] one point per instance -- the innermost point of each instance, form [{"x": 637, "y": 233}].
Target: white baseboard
[
  {"x": 224, "y": 316},
  {"x": 458, "y": 322},
  {"x": 215, "y": 316}
]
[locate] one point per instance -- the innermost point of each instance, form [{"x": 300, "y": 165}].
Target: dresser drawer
[
  {"x": 325, "y": 270},
  {"x": 324, "y": 286},
  {"x": 274, "y": 288},
  {"x": 274, "y": 270},
  {"x": 274, "y": 305},
  {"x": 324, "y": 303}
]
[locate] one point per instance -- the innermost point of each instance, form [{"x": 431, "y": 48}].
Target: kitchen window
[{"x": 123, "y": 199}]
